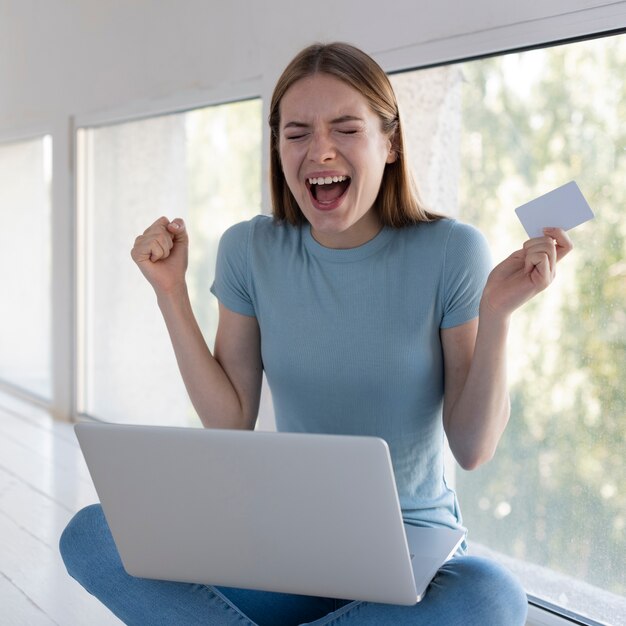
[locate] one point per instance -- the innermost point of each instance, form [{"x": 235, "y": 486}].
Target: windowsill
[
  {"x": 540, "y": 617},
  {"x": 591, "y": 605}
]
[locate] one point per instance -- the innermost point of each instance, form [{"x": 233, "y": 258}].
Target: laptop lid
[{"x": 293, "y": 513}]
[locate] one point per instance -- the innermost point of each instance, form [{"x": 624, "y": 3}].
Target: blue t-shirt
[{"x": 350, "y": 338}]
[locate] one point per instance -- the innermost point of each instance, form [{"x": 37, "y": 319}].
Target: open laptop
[{"x": 294, "y": 513}]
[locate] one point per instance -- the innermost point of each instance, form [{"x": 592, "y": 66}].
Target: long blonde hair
[{"x": 398, "y": 203}]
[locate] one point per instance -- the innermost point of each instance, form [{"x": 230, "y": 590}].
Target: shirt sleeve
[
  {"x": 467, "y": 263},
  {"x": 232, "y": 273}
]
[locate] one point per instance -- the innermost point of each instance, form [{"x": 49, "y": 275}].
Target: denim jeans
[{"x": 467, "y": 591}]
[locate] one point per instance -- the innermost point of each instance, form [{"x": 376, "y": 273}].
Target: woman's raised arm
[
  {"x": 476, "y": 401},
  {"x": 224, "y": 388}
]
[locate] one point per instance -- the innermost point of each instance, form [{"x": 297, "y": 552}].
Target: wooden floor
[{"x": 43, "y": 482}]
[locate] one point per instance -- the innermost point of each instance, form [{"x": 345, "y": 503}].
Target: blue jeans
[{"x": 467, "y": 591}]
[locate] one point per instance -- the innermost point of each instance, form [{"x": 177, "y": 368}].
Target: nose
[{"x": 321, "y": 147}]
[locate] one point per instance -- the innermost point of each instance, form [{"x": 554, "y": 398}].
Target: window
[
  {"x": 25, "y": 308},
  {"x": 203, "y": 166},
  {"x": 501, "y": 131}
]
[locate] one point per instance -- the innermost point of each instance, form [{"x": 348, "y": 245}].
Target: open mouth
[{"x": 328, "y": 191}]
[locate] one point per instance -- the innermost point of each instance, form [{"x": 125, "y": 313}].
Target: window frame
[
  {"x": 39, "y": 132},
  {"x": 541, "y": 612},
  {"x": 124, "y": 115}
]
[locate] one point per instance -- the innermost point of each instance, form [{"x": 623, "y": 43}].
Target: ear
[{"x": 392, "y": 157}]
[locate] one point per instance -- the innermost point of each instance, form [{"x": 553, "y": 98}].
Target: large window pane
[
  {"x": 25, "y": 308},
  {"x": 552, "y": 503},
  {"x": 202, "y": 165}
]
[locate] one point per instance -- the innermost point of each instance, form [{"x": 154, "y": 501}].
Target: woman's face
[{"x": 333, "y": 154}]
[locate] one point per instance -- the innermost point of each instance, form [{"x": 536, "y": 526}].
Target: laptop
[{"x": 286, "y": 512}]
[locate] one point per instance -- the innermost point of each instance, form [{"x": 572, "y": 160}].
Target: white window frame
[
  {"x": 62, "y": 263},
  {"x": 239, "y": 92},
  {"x": 541, "y": 612}
]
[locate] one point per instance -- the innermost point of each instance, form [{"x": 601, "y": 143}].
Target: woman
[{"x": 376, "y": 316}]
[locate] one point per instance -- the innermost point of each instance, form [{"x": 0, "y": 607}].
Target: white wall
[{"x": 80, "y": 57}]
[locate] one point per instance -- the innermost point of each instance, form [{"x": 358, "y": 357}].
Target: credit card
[{"x": 564, "y": 207}]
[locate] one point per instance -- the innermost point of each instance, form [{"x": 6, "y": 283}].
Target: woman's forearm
[
  {"x": 478, "y": 417},
  {"x": 476, "y": 405},
  {"x": 212, "y": 393}
]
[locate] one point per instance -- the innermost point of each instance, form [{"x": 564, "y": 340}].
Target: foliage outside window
[{"x": 552, "y": 503}]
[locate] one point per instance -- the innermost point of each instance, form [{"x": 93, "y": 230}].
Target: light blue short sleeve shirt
[{"x": 350, "y": 339}]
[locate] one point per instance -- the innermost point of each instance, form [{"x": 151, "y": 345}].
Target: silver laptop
[{"x": 294, "y": 513}]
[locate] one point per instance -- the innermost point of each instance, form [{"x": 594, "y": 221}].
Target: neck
[{"x": 356, "y": 235}]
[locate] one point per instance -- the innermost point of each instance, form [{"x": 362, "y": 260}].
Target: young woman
[{"x": 369, "y": 315}]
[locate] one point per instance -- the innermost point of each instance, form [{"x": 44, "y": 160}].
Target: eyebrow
[{"x": 337, "y": 120}]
